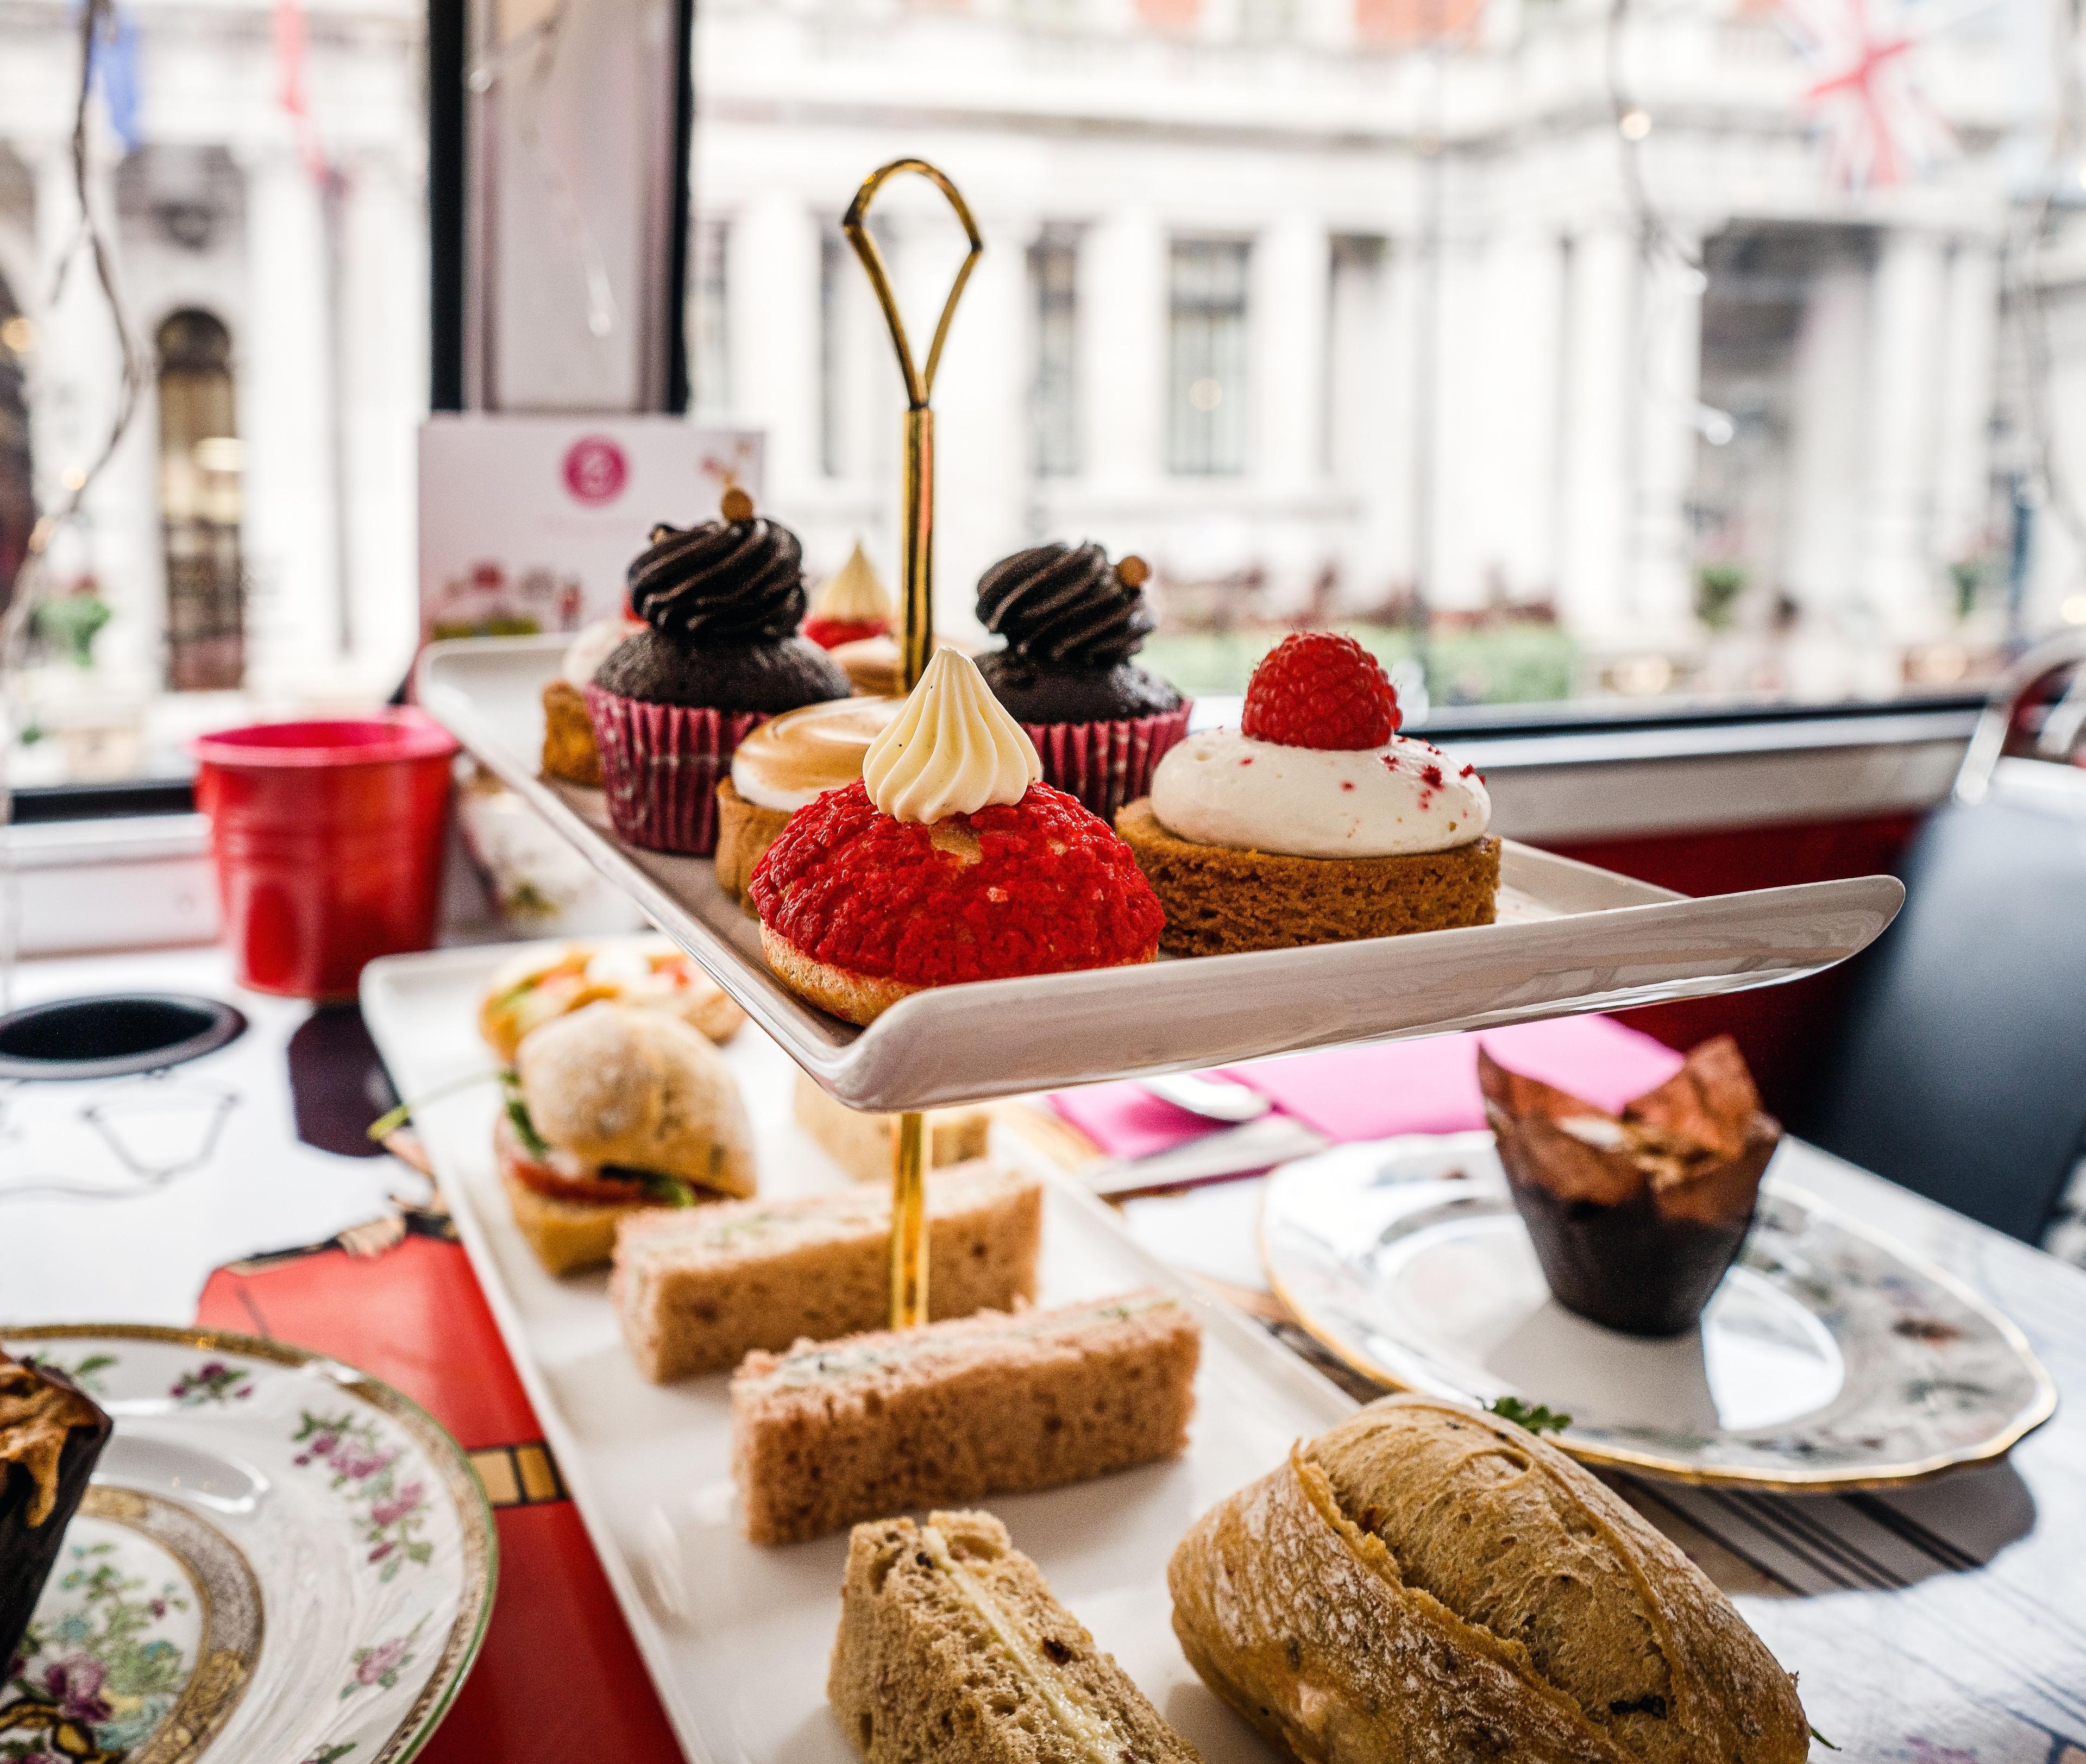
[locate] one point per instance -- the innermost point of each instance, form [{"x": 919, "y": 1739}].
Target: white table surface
[{"x": 1939, "y": 1624}]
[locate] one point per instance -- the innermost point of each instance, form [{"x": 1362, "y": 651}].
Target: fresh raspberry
[{"x": 1317, "y": 689}]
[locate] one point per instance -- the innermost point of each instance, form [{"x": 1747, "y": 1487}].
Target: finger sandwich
[
  {"x": 835, "y": 1431},
  {"x": 951, "y": 1648},
  {"x": 696, "y": 1290}
]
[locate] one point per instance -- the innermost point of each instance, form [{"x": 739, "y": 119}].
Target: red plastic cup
[{"x": 328, "y": 839}]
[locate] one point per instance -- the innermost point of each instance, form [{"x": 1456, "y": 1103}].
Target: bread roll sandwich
[
  {"x": 1426, "y": 1583},
  {"x": 612, "y": 1110},
  {"x": 951, "y": 1648},
  {"x": 835, "y": 1431},
  {"x": 550, "y": 981}
]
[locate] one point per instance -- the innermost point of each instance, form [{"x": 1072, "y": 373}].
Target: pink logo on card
[{"x": 595, "y": 469}]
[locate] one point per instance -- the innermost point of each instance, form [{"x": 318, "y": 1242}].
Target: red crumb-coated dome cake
[{"x": 859, "y": 909}]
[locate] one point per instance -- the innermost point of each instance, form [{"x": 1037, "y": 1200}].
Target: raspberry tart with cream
[
  {"x": 851, "y": 606},
  {"x": 1314, "y": 821},
  {"x": 949, "y": 860}
]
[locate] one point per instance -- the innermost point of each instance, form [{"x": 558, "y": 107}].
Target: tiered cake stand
[
  {"x": 1569, "y": 937},
  {"x": 736, "y": 1636}
]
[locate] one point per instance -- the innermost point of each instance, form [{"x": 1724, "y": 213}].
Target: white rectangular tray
[
  {"x": 736, "y": 1637},
  {"x": 1570, "y": 938}
]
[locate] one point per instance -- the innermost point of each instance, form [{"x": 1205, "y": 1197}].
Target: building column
[
  {"x": 286, "y": 388},
  {"x": 1821, "y": 545},
  {"x": 774, "y": 329},
  {"x": 1287, "y": 317},
  {"x": 1667, "y": 370},
  {"x": 1465, "y": 481},
  {"x": 1292, "y": 262},
  {"x": 1524, "y": 275},
  {"x": 1899, "y": 573},
  {"x": 383, "y": 382},
  {"x": 74, "y": 395},
  {"x": 1600, "y": 314},
  {"x": 1962, "y": 489},
  {"x": 1123, "y": 296}
]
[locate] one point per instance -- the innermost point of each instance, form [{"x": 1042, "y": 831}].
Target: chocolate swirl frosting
[
  {"x": 1058, "y": 605},
  {"x": 723, "y": 582}
]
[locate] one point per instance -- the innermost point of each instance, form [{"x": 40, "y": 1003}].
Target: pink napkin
[{"x": 1428, "y": 1087}]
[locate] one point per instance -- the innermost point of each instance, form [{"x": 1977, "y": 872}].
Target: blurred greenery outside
[{"x": 1508, "y": 664}]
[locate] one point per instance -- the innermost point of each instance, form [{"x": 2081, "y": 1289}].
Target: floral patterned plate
[
  {"x": 280, "y": 1558},
  {"x": 1828, "y": 1358}
]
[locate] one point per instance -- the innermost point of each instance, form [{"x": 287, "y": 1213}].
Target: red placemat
[{"x": 559, "y": 1678}]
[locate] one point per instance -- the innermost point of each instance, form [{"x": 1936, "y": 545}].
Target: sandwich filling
[
  {"x": 638, "y": 973},
  {"x": 534, "y": 1163},
  {"x": 822, "y": 1363},
  {"x": 1081, "y": 1719}
]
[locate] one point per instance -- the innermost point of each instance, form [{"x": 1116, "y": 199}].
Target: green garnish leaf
[
  {"x": 524, "y": 1129},
  {"x": 1821, "y": 1739},
  {"x": 668, "y": 1190},
  {"x": 389, "y": 1122},
  {"x": 1536, "y": 1417}
]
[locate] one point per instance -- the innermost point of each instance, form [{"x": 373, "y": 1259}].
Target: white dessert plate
[
  {"x": 280, "y": 1557},
  {"x": 1828, "y": 1359},
  {"x": 1570, "y": 938},
  {"x": 736, "y": 1636}
]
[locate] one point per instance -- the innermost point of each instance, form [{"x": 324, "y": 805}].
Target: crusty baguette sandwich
[
  {"x": 860, "y": 1143},
  {"x": 612, "y": 1110},
  {"x": 696, "y": 1292},
  {"x": 951, "y": 1648},
  {"x": 835, "y": 1431},
  {"x": 550, "y": 981},
  {"x": 1426, "y": 1583}
]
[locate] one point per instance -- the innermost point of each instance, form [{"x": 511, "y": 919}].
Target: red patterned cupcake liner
[
  {"x": 660, "y": 765},
  {"x": 1106, "y": 764}
]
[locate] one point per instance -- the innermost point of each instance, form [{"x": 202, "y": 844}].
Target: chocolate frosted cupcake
[
  {"x": 722, "y": 602},
  {"x": 1072, "y": 621}
]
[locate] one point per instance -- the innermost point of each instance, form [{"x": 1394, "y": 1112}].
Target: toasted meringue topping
[{"x": 790, "y": 759}]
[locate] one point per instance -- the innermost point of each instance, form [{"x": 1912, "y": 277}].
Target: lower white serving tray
[
  {"x": 737, "y": 1637},
  {"x": 1570, "y": 938}
]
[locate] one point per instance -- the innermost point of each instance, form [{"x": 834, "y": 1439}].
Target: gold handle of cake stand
[{"x": 909, "y": 1159}]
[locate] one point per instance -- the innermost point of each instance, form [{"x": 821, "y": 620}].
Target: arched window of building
[
  {"x": 18, "y": 501},
  {"x": 200, "y": 462}
]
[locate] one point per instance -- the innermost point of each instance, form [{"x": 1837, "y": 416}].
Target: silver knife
[{"x": 1237, "y": 1151}]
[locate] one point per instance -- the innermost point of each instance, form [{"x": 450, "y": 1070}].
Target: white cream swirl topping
[
  {"x": 592, "y": 644},
  {"x": 953, "y": 751},
  {"x": 1222, "y": 788},
  {"x": 854, "y": 594},
  {"x": 788, "y": 760}
]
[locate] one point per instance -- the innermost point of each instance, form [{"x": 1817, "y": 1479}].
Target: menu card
[{"x": 527, "y": 523}]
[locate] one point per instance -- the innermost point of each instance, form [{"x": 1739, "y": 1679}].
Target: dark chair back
[{"x": 1959, "y": 1069}]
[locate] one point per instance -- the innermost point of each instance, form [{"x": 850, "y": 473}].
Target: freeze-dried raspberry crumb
[
  {"x": 1432, "y": 776},
  {"x": 1050, "y": 888},
  {"x": 1318, "y": 690}
]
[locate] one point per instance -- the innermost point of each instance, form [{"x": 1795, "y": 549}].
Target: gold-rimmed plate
[
  {"x": 281, "y": 1557},
  {"x": 1828, "y": 1359}
]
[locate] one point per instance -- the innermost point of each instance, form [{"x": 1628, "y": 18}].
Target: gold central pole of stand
[
  {"x": 916, "y": 643},
  {"x": 909, "y": 1222}
]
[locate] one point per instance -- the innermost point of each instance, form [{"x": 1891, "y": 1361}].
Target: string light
[{"x": 1634, "y": 124}]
